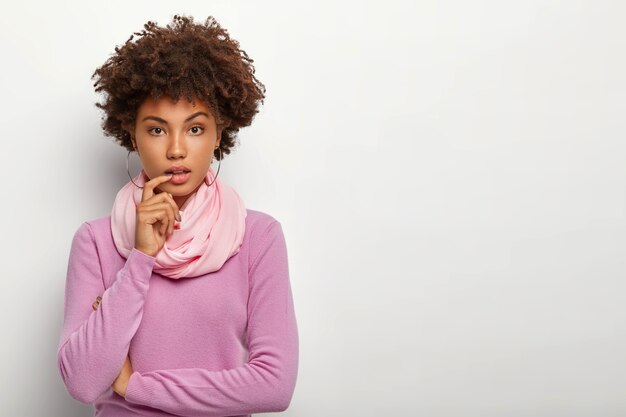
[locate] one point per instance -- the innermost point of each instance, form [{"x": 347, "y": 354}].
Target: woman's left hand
[{"x": 121, "y": 382}]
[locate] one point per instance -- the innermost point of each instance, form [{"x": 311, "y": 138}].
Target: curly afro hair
[{"x": 181, "y": 59}]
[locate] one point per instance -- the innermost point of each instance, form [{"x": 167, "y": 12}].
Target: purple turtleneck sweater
[{"x": 221, "y": 344}]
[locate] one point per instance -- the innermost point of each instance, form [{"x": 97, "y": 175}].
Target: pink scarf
[{"x": 211, "y": 231}]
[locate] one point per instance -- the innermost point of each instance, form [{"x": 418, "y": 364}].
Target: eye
[
  {"x": 198, "y": 130},
  {"x": 156, "y": 130}
]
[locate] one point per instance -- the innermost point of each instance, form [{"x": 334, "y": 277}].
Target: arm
[
  {"x": 264, "y": 384},
  {"x": 94, "y": 344}
]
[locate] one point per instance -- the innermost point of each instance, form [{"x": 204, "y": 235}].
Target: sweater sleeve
[
  {"x": 267, "y": 381},
  {"x": 94, "y": 344}
]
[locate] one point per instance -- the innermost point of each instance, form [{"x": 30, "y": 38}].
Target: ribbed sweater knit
[{"x": 221, "y": 344}]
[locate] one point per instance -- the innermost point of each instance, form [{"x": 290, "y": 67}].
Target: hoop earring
[
  {"x": 128, "y": 171},
  {"x": 218, "y": 167}
]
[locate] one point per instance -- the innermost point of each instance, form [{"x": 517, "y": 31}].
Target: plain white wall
[{"x": 449, "y": 174}]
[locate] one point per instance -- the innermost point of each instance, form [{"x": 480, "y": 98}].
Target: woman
[{"x": 193, "y": 312}]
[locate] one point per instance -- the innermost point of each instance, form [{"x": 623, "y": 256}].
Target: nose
[{"x": 177, "y": 147}]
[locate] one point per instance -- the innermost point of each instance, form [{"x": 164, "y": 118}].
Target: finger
[
  {"x": 148, "y": 188},
  {"x": 170, "y": 216},
  {"x": 176, "y": 210},
  {"x": 173, "y": 214},
  {"x": 153, "y": 213},
  {"x": 167, "y": 206},
  {"x": 167, "y": 203},
  {"x": 163, "y": 197}
]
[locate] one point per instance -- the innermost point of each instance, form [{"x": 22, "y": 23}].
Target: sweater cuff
[
  {"x": 137, "y": 391},
  {"x": 139, "y": 265}
]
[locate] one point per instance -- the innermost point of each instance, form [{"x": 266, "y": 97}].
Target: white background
[{"x": 449, "y": 175}]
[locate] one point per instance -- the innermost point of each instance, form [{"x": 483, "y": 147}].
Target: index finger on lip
[{"x": 148, "y": 188}]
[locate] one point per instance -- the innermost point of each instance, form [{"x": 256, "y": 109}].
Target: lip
[
  {"x": 177, "y": 168},
  {"x": 178, "y": 179}
]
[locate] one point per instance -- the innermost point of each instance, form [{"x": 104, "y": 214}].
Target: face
[{"x": 168, "y": 134}]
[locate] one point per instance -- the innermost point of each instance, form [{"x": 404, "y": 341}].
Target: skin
[
  {"x": 167, "y": 133},
  {"x": 175, "y": 141}
]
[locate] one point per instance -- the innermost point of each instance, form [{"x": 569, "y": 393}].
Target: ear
[{"x": 130, "y": 132}]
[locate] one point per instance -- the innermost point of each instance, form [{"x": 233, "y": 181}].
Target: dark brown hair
[{"x": 182, "y": 59}]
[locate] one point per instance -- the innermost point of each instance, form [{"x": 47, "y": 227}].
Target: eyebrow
[{"x": 158, "y": 119}]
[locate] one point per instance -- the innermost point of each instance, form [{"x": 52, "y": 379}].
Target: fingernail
[{"x": 169, "y": 174}]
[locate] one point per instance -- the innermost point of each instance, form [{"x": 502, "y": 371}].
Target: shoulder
[
  {"x": 261, "y": 230},
  {"x": 92, "y": 227},
  {"x": 94, "y": 238},
  {"x": 258, "y": 220},
  {"x": 96, "y": 232}
]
